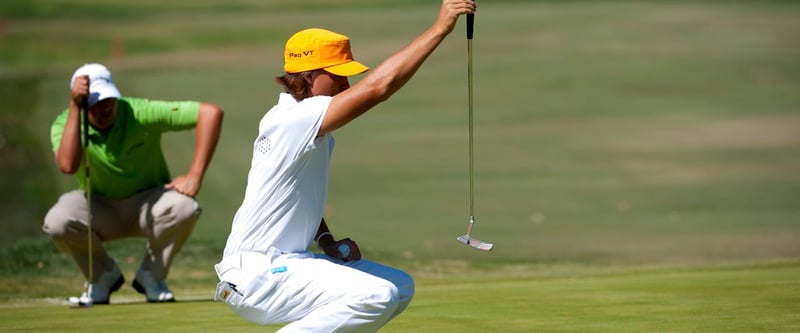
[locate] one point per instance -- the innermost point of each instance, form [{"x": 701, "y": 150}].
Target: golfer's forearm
[
  {"x": 388, "y": 77},
  {"x": 381, "y": 83},
  {"x": 395, "y": 71},
  {"x": 69, "y": 152},
  {"x": 209, "y": 126}
]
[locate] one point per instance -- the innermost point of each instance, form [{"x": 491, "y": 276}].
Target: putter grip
[{"x": 470, "y": 25}]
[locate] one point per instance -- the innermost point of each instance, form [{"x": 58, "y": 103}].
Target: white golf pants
[{"x": 314, "y": 292}]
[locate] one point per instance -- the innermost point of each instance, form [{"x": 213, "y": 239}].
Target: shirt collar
[{"x": 286, "y": 99}]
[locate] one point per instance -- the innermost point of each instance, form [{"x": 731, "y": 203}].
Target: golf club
[
  {"x": 80, "y": 301},
  {"x": 467, "y": 238}
]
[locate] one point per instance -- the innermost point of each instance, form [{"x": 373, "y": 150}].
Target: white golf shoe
[
  {"x": 100, "y": 292},
  {"x": 155, "y": 290}
]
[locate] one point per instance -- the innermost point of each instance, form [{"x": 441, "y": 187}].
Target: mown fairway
[
  {"x": 636, "y": 163},
  {"x": 706, "y": 300}
]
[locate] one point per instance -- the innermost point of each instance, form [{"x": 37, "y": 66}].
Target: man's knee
[
  {"x": 405, "y": 288},
  {"x": 187, "y": 208},
  {"x": 64, "y": 217},
  {"x": 55, "y": 225},
  {"x": 177, "y": 207},
  {"x": 383, "y": 300}
]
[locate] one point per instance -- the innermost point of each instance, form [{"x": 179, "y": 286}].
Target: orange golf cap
[{"x": 316, "y": 48}]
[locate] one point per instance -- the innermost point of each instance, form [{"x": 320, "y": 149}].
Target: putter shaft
[
  {"x": 467, "y": 238},
  {"x": 471, "y": 139},
  {"x": 88, "y": 191}
]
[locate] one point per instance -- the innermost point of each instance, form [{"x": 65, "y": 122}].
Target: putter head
[{"x": 475, "y": 243}]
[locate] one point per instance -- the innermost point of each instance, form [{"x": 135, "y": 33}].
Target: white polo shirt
[{"x": 287, "y": 186}]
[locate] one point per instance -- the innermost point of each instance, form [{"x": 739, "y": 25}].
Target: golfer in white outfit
[{"x": 268, "y": 275}]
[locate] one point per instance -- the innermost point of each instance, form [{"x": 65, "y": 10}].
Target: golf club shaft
[
  {"x": 469, "y": 226},
  {"x": 467, "y": 239},
  {"x": 88, "y": 182},
  {"x": 470, "y": 24}
]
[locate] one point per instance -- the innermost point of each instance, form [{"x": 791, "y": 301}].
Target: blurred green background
[{"x": 608, "y": 134}]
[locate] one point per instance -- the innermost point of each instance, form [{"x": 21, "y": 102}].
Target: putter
[
  {"x": 467, "y": 238},
  {"x": 79, "y": 302}
]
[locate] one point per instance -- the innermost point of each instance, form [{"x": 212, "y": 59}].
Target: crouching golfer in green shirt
[{"x": 132, "y": 193}]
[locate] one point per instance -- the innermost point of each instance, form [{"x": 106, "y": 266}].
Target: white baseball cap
[{"x": 100, "y": 84}]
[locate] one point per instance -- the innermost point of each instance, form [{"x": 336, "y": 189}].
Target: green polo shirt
[{"x": 129, "y": 158}]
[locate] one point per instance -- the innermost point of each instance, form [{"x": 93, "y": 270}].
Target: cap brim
[
  {"x": 347, "y": 69},
  {"x": 99, "y": 92}
]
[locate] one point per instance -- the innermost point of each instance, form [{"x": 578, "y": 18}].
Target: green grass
[
  {"x": 760, "y": 298},
  {"x": 636, "y": 162}
]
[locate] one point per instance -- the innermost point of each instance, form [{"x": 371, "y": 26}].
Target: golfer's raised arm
[
  {"x": 68, "y": 154},
  {"x": 393, "y": 72}
]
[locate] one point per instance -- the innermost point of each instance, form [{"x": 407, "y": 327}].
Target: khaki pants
[{"x": 164, "y": 217}]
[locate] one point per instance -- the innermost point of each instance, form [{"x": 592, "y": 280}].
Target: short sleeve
[
  {"x": 167, "y": 115},
  {"x": 300, "y": 125},
  {"x": 57, "y": 129}
]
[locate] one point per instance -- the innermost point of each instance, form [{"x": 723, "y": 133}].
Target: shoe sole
[{"x": 140, "y": 289}]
